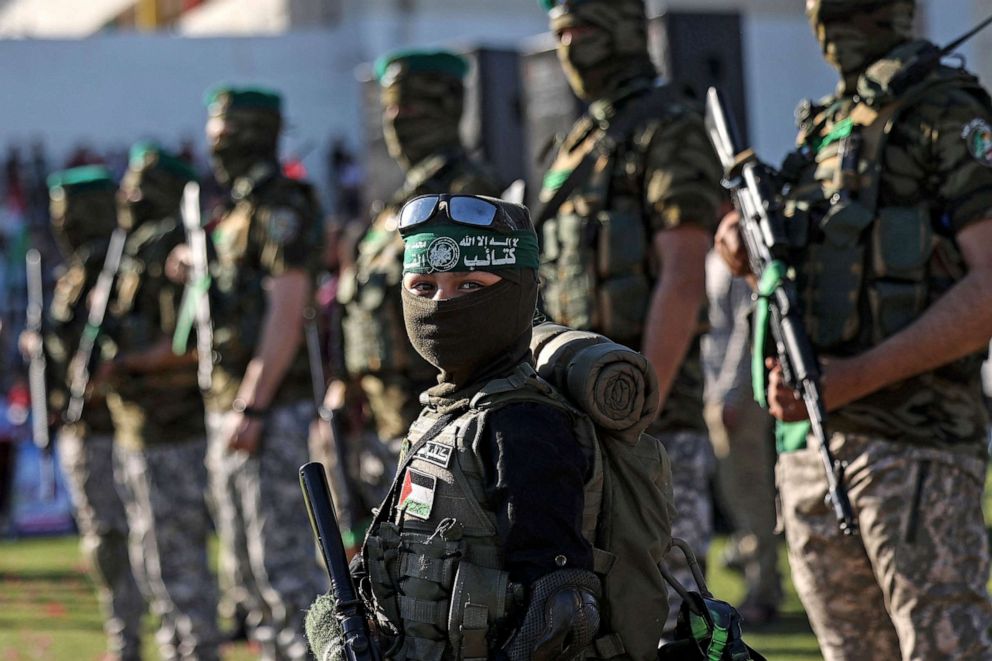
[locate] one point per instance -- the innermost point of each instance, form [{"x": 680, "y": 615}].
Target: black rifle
[
  {"x": 348, "y": 608},
  {"x": 752, "y": 185},
  {"x": 80, "y": 365}
]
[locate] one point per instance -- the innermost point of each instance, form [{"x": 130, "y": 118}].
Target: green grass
[{"x": 48, "y": 609}]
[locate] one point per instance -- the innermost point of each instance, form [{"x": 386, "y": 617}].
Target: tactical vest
[
  {"x": 435, "y": 567},
  {"x": 596, "y": 267},
  {"x": 868, "y": 269},
  {"x": 65, "y": 324},
  {"x": 237, "y": 296},
  {"x": 164, "y": 406}
]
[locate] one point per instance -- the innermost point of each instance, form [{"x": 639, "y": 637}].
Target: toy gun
[
  {"x": 752, "y": 185},
  {"x": 348, "y": 608},
  {"x": 79, "y": 376}
]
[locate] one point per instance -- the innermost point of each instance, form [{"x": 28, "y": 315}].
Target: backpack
[{"x": 616, "y": 388}]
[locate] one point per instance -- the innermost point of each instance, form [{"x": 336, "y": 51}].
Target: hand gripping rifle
[
  {"x": 763, "y": 229},
  {"x": 348, "y": 608},
  {"x": 79, "y": 376},
  {"x": 36, "y": 373}
]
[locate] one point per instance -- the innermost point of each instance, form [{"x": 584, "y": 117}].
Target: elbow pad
[{"x": 561, "y": 620}]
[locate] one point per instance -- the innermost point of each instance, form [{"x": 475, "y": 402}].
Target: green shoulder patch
[
  {"x": 284, "y": 225},
  {"x": 977, "y": 135}
]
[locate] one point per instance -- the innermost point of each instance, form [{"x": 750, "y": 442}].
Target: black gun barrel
[{"x": 349, "y": 610}]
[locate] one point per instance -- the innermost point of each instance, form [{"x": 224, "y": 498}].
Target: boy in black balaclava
[{"x": 488, "y": 501}]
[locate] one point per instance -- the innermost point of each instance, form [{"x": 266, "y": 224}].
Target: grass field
[{"x": 48, "y": 609}]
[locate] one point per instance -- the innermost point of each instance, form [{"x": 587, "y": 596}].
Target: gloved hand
[{"x": 562, "y": 618}]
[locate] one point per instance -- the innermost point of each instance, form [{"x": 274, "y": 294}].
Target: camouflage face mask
[
  {"x": 238, "y": 139},
  {"x": 853, "y": 34},
  {"x": 421, "y": 114},
  {"x": 600, "y": 44},
  {"x": 82, "y": 217}
]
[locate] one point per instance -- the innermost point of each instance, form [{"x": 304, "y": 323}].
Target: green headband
[{"x": 441, "y": 248}]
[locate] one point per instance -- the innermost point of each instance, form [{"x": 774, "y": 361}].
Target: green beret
[
  {"x": 441, "y": 62},
  {"x": 224, "y": 97},
  {"x": 147, "y": 155},
  {"x": 86, "y": 177}
]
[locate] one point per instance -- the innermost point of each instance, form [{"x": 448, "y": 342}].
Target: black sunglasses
[{"x": 463, "y": 209}]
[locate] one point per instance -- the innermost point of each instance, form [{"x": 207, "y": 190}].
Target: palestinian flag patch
[{"x": 417, "y": 494}]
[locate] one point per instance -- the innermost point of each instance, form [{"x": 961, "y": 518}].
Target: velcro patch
[
  {"x": 435, "y": 453},
  {"x": 977, "y": 135},
  {"x": 417, "y": 494}
]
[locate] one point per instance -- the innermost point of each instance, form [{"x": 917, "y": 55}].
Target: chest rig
[
  {"x": 595, "y": 262},
  {"x": 434, "y": 563},
  {"x": 375, "y": 336},
  {"x": 871, "y": 259}
]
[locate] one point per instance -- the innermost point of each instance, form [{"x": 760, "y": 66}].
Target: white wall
[{"x": 113, "y": 90}]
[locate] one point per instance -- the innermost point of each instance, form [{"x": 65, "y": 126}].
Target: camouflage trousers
[
  {"x": 746, "y": 490},
  {"x": 167, "y": 516},
  {"x": 693, "y": 465},
  {"x": 913, "y": 584},
  {"x": 88, "y": 463},
  {"x": 263, "y": 528}
]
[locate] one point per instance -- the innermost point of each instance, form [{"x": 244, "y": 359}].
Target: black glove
[{"x": 562, "y": 618}]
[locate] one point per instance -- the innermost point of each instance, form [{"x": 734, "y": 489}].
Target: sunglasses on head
[{"x": 462, "y": 209}]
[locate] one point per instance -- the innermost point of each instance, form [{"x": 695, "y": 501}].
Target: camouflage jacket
[
  {"x": 598, "y": 265},
  {"x": 64, "y": 326},
  {"x": 163, "y": 406},
  {"x": 876, "y": 239},
  {"x": 272, "y": 225},
  {"x": 375, "y": 340}
]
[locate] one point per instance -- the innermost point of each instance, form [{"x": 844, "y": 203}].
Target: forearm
[
  {"x": 282, "y": 333},
  {"x": 670, "y": 325},
  {"x": 958, "y": 324}
]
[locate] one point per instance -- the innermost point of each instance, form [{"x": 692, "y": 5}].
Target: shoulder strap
[{"x": 636, "y": 111}]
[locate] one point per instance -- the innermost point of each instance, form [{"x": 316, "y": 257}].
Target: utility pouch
[
  {"x": 620, "y": 247},
  {"x": 902, "y": 244},
  {"x": 623, "y": 303},
  {"x": 480, "y": 598},
  {"x": 835, "y": 275},
  {"x": 569, "y": 271}
]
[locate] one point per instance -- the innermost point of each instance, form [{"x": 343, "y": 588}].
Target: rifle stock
[
  {"x": 348, "y": 608},
  {"x": 751, "y": 184}
]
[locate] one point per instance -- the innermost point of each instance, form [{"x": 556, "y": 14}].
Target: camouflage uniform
[
  {"x": 913, "y": 584},
  {"x": 83, "y": 215},
  {"x": 422, "y": 98},
  {"x": 271, "y": 227},
  {"x": 159, "y": 417},
  {"x": 598, "y": 268}
]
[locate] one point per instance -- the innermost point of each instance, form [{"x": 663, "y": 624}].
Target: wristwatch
[{"x": 241, "y": 406}]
